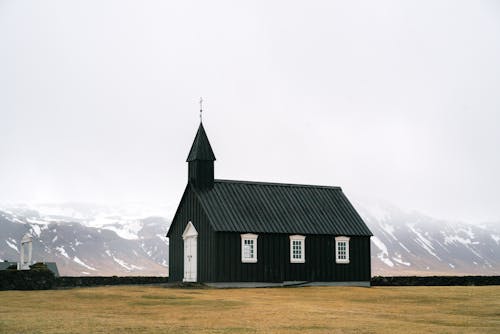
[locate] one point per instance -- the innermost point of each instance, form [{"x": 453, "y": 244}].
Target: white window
[
  {"x": 297, "y": 249},
  {"x": 249, "y": 248},
  {"x": 342, "y": 249}
]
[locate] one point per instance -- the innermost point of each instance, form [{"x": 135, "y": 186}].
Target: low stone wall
[
  {"x": 434, "y": 280},
  {"x": 69, "y": 282},
  {"x": 45, "y": 279},
  {"x": 27, "y": 280}
]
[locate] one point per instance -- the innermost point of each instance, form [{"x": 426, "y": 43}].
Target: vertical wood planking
[
  {"x": 273, "y": 262},
  {"x": 191, "y": 210}
]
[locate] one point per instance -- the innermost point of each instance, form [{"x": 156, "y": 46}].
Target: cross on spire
[{"x": 201, "y": 109}]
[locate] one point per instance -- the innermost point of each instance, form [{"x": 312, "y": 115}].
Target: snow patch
[
  {"x": 451, "y": 265},
  {"x": 399, "y": 260},
  {"x": 383, "y": 255},
  {"x": 54, "y": 239},
  {"x": 36, "y": 221},
  {"x": 496, "y": 238},
  {"x": 449, "y": 239},
  {"x": 467, "y": 231},
  {"x": 61, "y": 250},
  {"x": 36, "y": 229},
  {"x": 466, "y": 242},
  {"x": 14, "y": 219},
  {"x": 389, "y": 229},
  {"x": 149, "y": 252},
  {"x": 122, "y": 231},
  {"x": 424, "y": 243},
  {"x": 404, "y": 247},
  {"x": 11, "y": 245},
  {"x": 125, "y": 228},
  {"x": 80, "y": 262},
  {"x": 126, "y": 265}
]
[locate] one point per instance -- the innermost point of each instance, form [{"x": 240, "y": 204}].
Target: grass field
[{"x": 141, "y": 309}]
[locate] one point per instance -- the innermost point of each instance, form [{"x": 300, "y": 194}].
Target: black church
[{"x": 240, "y": 231}]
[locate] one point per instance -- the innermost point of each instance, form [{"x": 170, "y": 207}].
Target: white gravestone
[{"x": 26, "y": 243}]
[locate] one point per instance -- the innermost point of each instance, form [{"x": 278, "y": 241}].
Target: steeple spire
[
  {"x": 201, "y": 149},
  {"x": 201, "y": 162}
]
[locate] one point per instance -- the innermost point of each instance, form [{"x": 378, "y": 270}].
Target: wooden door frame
[{"x": 190, "y": 233}]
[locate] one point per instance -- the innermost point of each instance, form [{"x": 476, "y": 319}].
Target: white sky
[{"x": 388, "y": 99}]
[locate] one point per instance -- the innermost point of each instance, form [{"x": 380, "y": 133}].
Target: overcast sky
[{"x": 390, "y": 100}]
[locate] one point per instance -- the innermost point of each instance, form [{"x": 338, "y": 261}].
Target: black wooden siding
[
  {"x": 273, "y": 260},
  {"x": 190, "y": 210},
  {"x": 201, "y": 174}
]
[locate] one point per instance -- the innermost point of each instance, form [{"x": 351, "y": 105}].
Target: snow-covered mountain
[
  {"x": 88, "y": 240},
  {"x": 130, "y": 240},
  {"x": 410, "y": 243}
]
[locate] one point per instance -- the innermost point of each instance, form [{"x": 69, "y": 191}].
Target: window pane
[
  {"x": 342, "y": 250},
  {"x": 248, "y": 249},
  {"x": 297, "y": 249}
]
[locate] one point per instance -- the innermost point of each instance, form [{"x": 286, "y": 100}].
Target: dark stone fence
[
  {"x": 70, "y": 282},
  {"x": 40, "y": 278},
  {"x": 434, "y": 280},
  {"x": 45, "y": 279},
  {"x": 27, "y": 280}
]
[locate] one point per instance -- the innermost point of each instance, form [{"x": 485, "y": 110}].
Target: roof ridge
[{"x": 289, "y": 185}]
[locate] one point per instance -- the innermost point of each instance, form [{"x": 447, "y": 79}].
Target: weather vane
[{"x": 201, "y": 109}]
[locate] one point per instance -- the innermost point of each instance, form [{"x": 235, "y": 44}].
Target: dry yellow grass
[{"x": 140, "y": 309}]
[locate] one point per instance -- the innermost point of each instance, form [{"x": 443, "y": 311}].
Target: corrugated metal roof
[
  {"x": 201, "y": 149},
  {"x": 242, "y": 206}
]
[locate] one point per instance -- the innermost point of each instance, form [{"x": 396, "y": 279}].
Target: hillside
[
  {"x": 100, "y": 244},
  {"x": 410, "y": 243}
]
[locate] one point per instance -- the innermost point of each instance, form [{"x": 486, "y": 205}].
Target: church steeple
[{"x": 201, "y": 161}]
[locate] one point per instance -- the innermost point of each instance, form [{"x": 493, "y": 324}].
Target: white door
[
  {"x": 190, "y": 237},
  {"x": 190, "y": 244}
]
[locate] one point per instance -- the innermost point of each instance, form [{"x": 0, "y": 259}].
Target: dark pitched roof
[
  {"x": 240, "y": 206},
  {"x": 6, "y": 264},
  {"x": 52, "y": 266},
  {"x": 201, "y": 149}
]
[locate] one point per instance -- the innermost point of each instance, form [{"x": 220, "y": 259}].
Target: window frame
[
  {"x": 338, "y": 240},
  {"x": 302, "y": 240},
  {"x": 252, "y": 237}
]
